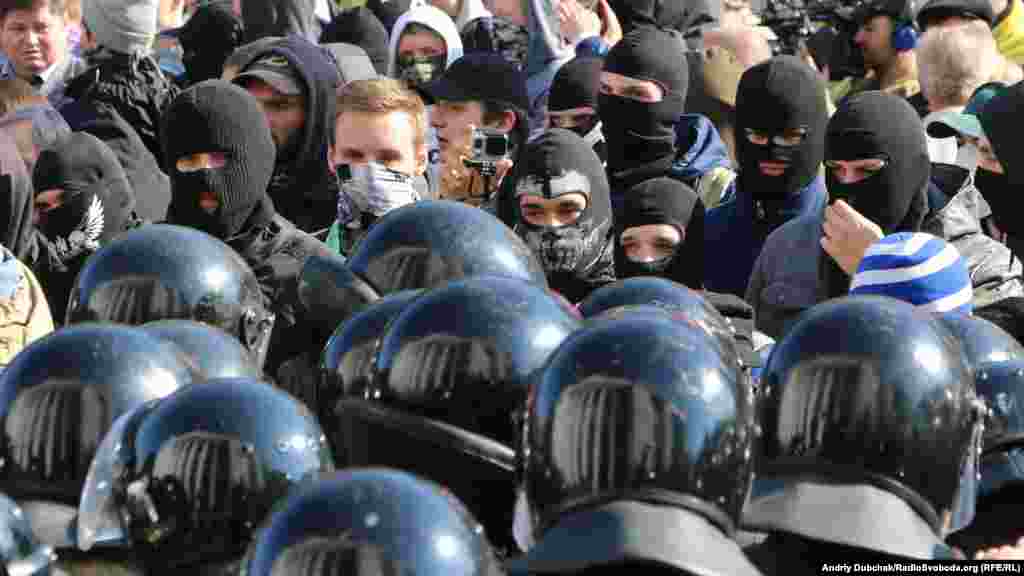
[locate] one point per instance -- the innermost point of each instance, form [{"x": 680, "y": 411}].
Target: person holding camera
[{"x": 481, "y": 98}]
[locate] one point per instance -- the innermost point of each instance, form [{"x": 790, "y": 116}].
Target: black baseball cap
[
  {"x": 970, "y": 9},
  {"x": 479, "y": 76}
]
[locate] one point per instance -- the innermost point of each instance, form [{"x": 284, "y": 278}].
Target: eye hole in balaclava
[
  {"x": 222, "y": 121},
  {"x": 578, "y": 252},
  {"x": 879, "y": 126},
  {"x": 780, "y": 128},
  {"x": 638, "y": 133}
]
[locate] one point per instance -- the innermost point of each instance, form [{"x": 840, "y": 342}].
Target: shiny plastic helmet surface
[
  {"x": 865, "y": 391},
  {"x": 331, "y": 293},
  {"x": 211, "y": 352},
  {"x": 426, "y": 244},
  {"x": 1001, "y": 385},
  {"x": 349, "y": 360},
  {"x": 60, "y": 395},
  {"x": 368, "y": 522},
  {"x": 641, "y": 408},
  {"x": 453, "y": 373},
  {"x": 188, "y": 480},
  {"x": 21, "y": 552},
  {"x": 982, "y": 341},
  {"x": 162, "y": 271}
]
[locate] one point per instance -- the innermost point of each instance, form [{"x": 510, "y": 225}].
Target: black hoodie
[
  {"x": 361, "y": 27},
  {"x": 280, "y": 18},
  {"x": 219, "y": 116},
  {"x": 577, "y": 258},
  {"x": 664, "y": 201},
  {"x": 97, "y": 206},
  {"x": 303, "y": 189}
]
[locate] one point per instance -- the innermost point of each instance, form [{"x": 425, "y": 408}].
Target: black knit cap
[{"x": 576, "y": 84}]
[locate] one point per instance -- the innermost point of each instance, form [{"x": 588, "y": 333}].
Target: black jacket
[
  {"x": 276, "y": 253},
  {"x": 131, "y": 85}
]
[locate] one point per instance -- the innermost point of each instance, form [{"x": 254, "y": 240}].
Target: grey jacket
[{"x": 791, "y": 274}]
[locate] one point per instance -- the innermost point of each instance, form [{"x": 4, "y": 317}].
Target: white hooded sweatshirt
[{"x": 438, "y": 21}]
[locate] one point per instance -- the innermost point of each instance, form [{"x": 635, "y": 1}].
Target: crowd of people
[{"x": 472, "y": 287}]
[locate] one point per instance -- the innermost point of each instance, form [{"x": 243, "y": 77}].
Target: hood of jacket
[
  {"x": 308, "y": 173},
  {"x": 469, "y": 11},
  {"x": 432, "y": 18},
  {"x": 954, "y": 205},
  {"x": 279, "y": 18},
  {"x": 706, "y": 150}
]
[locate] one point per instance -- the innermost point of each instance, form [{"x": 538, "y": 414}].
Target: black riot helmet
[
  {"x": 372, "y": 521},
  {"x": 1001, "y": 386},
  {"x": 331, "y": 293},
  {"x": 349, "y": 360},
  {"x": 639, "y": 436},
  {"x": 211, "y": 352},
  {"x": 59, "y": 396},
  {"x": 188, "y": 480},
  {"x": 162, "y": 271},
  {"x": 681, "y": 301},
  {"x": 452, "y": 377},
  {"x": 426, "y": 244},
  {"x": 868, "y": 411},
  {"x": 996, "y": 518},
  {"x": 982, "y": 341},
  {"x": 21, "y": 552}
]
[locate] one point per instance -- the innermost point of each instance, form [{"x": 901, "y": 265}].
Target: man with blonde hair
[
  {"x": 953, "y": 61},
  {"x": 380, "y": 154}
]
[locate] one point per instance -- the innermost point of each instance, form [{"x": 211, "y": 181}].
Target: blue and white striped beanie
[{"x": 918, "y": 268}]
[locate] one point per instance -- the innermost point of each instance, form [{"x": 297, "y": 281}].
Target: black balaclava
[
  {"x": 775, "y": 95},
  {"x": 361, "y": 27},
  {"x": 641, "y": 133},
  {"x": 578, "y": 257},
  {"x": 217, "y": 116},
  {"x": 664, "y": 201},
  {"x": 577, "y": 84},
  {"x": 1001, "y": 119},
  {"x": 880, "y": 125},
  {"x": 97, "y": 200},
  {"x": 207, "y": 39}
]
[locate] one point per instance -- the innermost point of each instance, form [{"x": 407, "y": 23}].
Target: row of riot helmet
[{"x": 624, "y": 433}]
